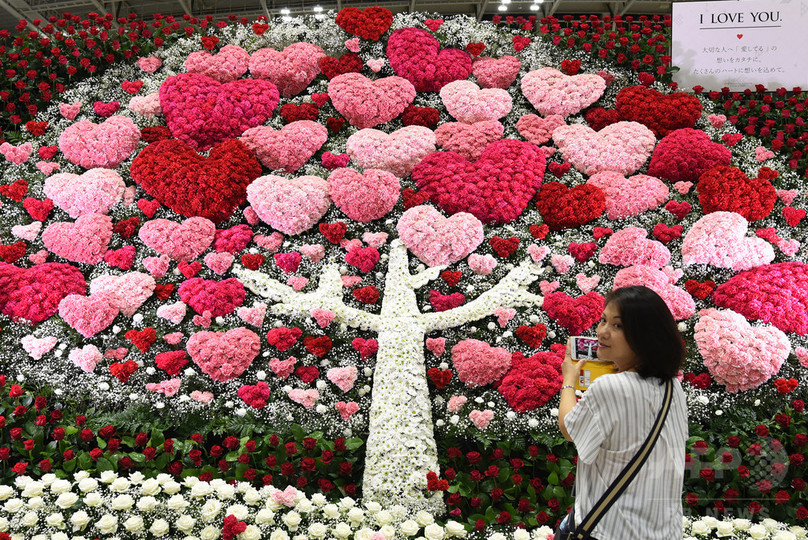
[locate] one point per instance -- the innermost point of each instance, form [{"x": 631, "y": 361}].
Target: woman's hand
[{"x": 569, "y": 368}]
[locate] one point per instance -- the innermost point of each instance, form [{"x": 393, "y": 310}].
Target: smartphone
[{"x": 584, "y": 348}]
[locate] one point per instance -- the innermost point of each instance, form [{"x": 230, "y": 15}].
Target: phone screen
[{"x": 584, "y": 347}]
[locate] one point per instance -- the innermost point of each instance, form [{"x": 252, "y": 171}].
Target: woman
[{"x": 611, "y": 421}]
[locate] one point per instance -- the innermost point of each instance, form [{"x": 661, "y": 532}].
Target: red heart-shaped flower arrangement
[
  {"x": 193, "y": 185},
  {"x": 532, "y": 381},
  {"x": 34, "y": 293},
  {"x": 440, "y": 378},
  {"x": 495, "y": 189},
  {"x": 415, "y": 54},
  {"x": 728, "y": 189},
  {"x": 318, "y": 346},
  {"x": 504, "y": 247},
  {"x": 699, "y": 289},
  {"x": 370, "y": 23},
  {"x": 284, "y": 338},
  {"x": 659, "y": 112},
  {"x": 347, "y": 63},
  {"x": 532, "y": 335},
  {"x": 685, "y": 154},
  {"x": 565, "y": 208},
  {"x": 574, "y": 314},
  {"x": 219, "y": 297}
]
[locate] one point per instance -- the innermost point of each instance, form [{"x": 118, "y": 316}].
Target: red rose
[{"x": 20, "y": 467}]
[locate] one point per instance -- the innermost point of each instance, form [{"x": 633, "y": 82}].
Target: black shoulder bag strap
[{"x": 628, "y": 473}]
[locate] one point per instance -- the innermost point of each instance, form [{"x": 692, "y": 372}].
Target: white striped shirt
[{"x": 608, "y": 425}]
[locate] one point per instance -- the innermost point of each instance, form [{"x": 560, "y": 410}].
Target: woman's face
[{"x": 612, "y": 344}]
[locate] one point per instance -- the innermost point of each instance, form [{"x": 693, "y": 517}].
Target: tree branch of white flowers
[
  {"x": 511, "y": 291},
  {"x": 328, "y": 295}
]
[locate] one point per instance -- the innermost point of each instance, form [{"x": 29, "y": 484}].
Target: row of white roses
[{"x": 711, "y": 527}]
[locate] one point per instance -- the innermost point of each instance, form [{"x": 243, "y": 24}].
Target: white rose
[
  {"x": 150, "y": 487},
  {"x": 497, "y": 536},
  {"x": 201, "y": 489},
  {"x": 59, "y": 536},
  {"x": 699, "y": 527},
  {"x": 123, "y": 502},
  {"x": 724, "y": 528},
  {"x": 304, "y": 506},
  {"x": 134, "y": 524},
  {"x": 710, "y": 521},
  {"x": 93, "y": 499},
  {"x": 424, "y": 518},
  {"x": 278, "y": 534},
  {"x": 784, "y": 535},
  {"x": 177, "y": 503},
  {"x": 384, "y": 518},
  {"x": 331, "y": 511},
  {"x": 108, "y": 523},
  {"x": 250, "y": 533},
  {"x": 318, "y": 499},
  {"x": 164, "y": 477},
  {"x": 356, "y": 515},
  {"x": 225, "y": 492},
  {"x": 342, "y": 530},
  {"x": 409, "y": 528},
  {"x": 171, "y": 487},
  {"x": 57, "y": 520},
  {"x": 30, "y": 519},
  {"x": 265, "y": 516},
  {"x": 770, "y": 524},
  {"x": 33, "y": 489},
  {"x": 796, "y": 530},
  {"x": 39, "y": 537},
  {"x": 137, "y": 477},
  {"x": 291, "y": 519},
  {"x": 373, "y": 507},
  {"x": 120, "y": 485},
  {"x": 363, "y": 534},
  {"x": 87, "y": 485},
  {"x": 80, "y": 519},
  {"x": 210, "y": 533},
  {"x": 107, "y": 477},
  {"x": 13, "y": 506},
  {"x": 3, "y": 524},
  {"x": 453, "y": 528},
  {"x": 210, "y": 510},
  {"x": 185, "y": 523},
  {"x": 6, "y": 492},
  {"x": 347, "y": 503},
  {"x": 388, "y": 531},
  {"x": 758, "y": 531},
  {"x": 741, "y": 524},
  {"x": 147, "y": 504},
  {"x": 35, "y": 503},
  {"x": 67, "y": 500},
  {"x": 160, "y": 527},
  {"x": 81, "y": 475},
  {"x": 434, "y": 532},
  {"x": 252, "y": 497},
  {"x": 318, "y": 530},
  {"x": 239, "y": 510}
]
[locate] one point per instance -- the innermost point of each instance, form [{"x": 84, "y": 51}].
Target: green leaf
[
  {"x": 157, "y": 438},
  {"x": 103, "y": 464},
  {"x": 553, "y": 479},
  {"x": 297, "y": 432},
  {"x": 354, "y": 443},
  {"x": 85, "y": 461}
]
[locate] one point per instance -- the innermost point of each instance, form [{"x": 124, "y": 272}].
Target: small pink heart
[
  {"x": 224, "y": 355},
  {"x": 482, "y": 264},
  {"x": 323, "y": 317},
  {"x": 181, "y": 241},
  {"x": 717, "y": 120},
  {"x": 374, "y": 240},
  {"x": 397, "y": 152},
  {"x": 469, "y": 140},
  {"x": 254, "y": 315},
  {"x": 38, "y": 347},
  {"x": 47, "y": 167},
  {"x": 537, "y": 253},
  {"x": 436, "y": 240},
  {"x": 538, "y": 130},
  {"x": 283, "y": 368},
  {"x": 683, "y": 187},
  {"x": 787, "y": 195},
  {"x": 172, "y": 312},
  {"x": 16, "y": 154},
  {"x": 313, "y": 252},
  {"x": 297, "y": 282},
  {"x": 149, "y": 64},
  {"x": 271, "y": 243},
  {"x": 219, "y": 263},
  {"x": 481, "y": 419},
  {"x": 802, "y": 356},
  {"x": 456, "y": 403},
  {"x": 116, "y": 354},
  {"x": 346, "y": 410},
  {"x": 762, "y": 154},
  {"x": 157, "y": 266},
  {"x": 546, "y": 287},
  {"x": 202, "y": 397},
  {"x": 39, "y": 257},
  {"x": 84, "y": 240},
  {"x": 366, "y": 103},
  {"x": 496, "y": 72},
  {"x": 203, "y": 320},
  {"x": 86, "y": 358},
  {"x": 436, "y": 345},
  {"x": 467, "y": 103},
  {"x": 70, "y": 111},
  {"x": 307, "y": 398},
  {"x": 376, "y": 64},
  {"x": 88, "y": 315},
  {"x": 343, "y": 377},
  {"x": 552, "y": 92},
  {"x": 229, "y": 64},
  {"x": 352, "y": 45},
  {"x": 173, "y": 338},
  {"x": 504, "y": 315},
  {"x": 27, "y": 232},
  {"x": 587, "y": 284},
  {"x": 348, "y": 245},
  {"x": 562, "y": 263},
  {"x": 789, "y": 248},
  {"x": 250, "y": 215},
  {"x": 350, "y": 281}
]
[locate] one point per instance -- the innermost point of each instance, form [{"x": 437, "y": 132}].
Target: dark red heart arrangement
[
  {"x": 347, "y": 63},
  {"x": 565, "y": 208},
  {"x": 370, "y": 23},
  {"x": 661, "y": 113},
  {"x": 34, "y": 293},
  {"x": 504, "y": 247},
  {"x": 728, "y": 189},
  {"x": 415, "y": 54}
]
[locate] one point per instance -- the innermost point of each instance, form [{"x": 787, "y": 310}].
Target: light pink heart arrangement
[
  {"x": 289, "y": 205},
  {"x": 86, "y": 358},
  {"x": 16, "y": 154},
  {"x": 283, "y": 368},
  {"x": 482, "y": 265},
  {"x": 623, "y": 147},
  {"x": 496, "y": 72},
  {"x": 286, "y": 149},
  {"x": 70, "y": 110},
  {"x": 323, "y": 317},
  {"x": 366, "y": 103},
  {"x": 468, "y": 140},
  {"x": 38, "y": 347},
  {"x": 468, "y": 104},
  {"x": 437, "y": 240},
  {"x": 366, "y": 196},
  {"x": 307, "y": 398},
  {"x": 94, "y": 192},
  {"x": 219, "y": 263},
  {"x": 631, "y": 246},
  {"x": 105, "y": 145},
  {"x": 586, "y": 284},
  {"x": 146, "y": 106},
  {"x": 738, "y": 355},
  {"x": 397, "y": 152},
  {"x": 83, "y": 241},
  {"x": 679, "y": 301},
  {"x": 343, "y": 377},
  {"x": 128, "y": 291},
  {"x": 253, "y": 316},
  {"x": 552, "y": 92},
  {"x": 537, "y": 253},
  {"x": 538, "y": 130},
  {"x": 504, "y": 316},
  {"x": 229, "y": 64},
  {"x": 481, "y": 419},
  {"x": 149, "y": 64},
  {"x": 291, "y": 69},
  {"x": 88, "y": 315},
  {"x": 436, "y": 346},
  {"x": 224, "y": 355},
  {"x": 181, "y": 241},
  {"x": 346, "y": 410},
  {"x": 27, "y": 232},
  {"x": 719, "y": 239},
  {"x": 626, "y": 197},
  {"x": 172, "y": 312}
]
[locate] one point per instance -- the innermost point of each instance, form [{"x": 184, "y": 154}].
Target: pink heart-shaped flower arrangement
[
  {"x": 83, "y": 241},
  {"x": 181, "y": 241},
  {"x": 496, "y": 188},
  {"x": 415, "y": 54},
  {"x": 364, "y": 196},
  {"x": 774, "y": 293},
  {"x": 397, "y": 152},
  {"x": 146, "y": 106},
  {"x": 229, "y": 64},
  {"x": 291, "y": 69},
  {"x": 202, "y": 111},
  {"x": 631, "y": 246},
  {"x": 623, "y": 147},
  {"x": 16, "y": 154},
  {"x": 477, "y": 363},
  {"x": 626, "y": 197},
  {"x": 496, "y": 72},
  {"x": 685, "y": 154},
  {"x": 105, "y": 145},
  {"x": 34, "y": 293},
  {"x": 538, "y": 130},
  {"x": 481, "y": 419},
  {"x": 224, "y": 355},
  {"x": 88, "y": 315},
  {"x": 436, "y": 240},
  {"x": 307, "y": 398},
  {"x": 289, "y": 205},
  {"x": 286, "y": 149},
  {"x": 552, "y": 92},
  {"x": 468, "y": 140},
  {"x": 468, "y": 104},
  {"x": 38, "y": 347},
  {"x": 128, "y": 291},
  {"x": 366, "y": 103},
  {"x": 346, "y": 410},
  {"x": 255, "y": 395},
  {"x": 678, "y": 300},
  {"x": 738, "y": 355},
  {"x": 220, "y": 298},
  {"x": 343, "y": 377},
  {"x": 94, "y": 192},
  {"x": 719, "y": 239}
]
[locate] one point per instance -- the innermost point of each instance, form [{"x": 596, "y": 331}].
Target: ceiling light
[
  {"x": 534, "y": 7},
  {"x": 285, "y": 11},
  {"x": 506, "y": 2},
  {"x": 503, "y": 7},
  {"x": 318, "y": 9}
]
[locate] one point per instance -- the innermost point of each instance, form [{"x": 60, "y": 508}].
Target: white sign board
[{"x": 740, "y": 44}]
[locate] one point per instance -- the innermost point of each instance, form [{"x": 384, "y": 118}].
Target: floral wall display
[{"x": 381, "y": 230}]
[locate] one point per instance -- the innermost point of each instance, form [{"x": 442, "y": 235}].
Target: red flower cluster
[
  {"x": 662, "y": 114},
  {"x": 532, "y": 381},
  {"x": 728, "y": 189},
  {"x": 370, "y": 23},
  {"x": 685, "y": 154},
  {"x": 564, "y": 208}
]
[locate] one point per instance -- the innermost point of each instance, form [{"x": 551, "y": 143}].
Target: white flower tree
[{"x": 401, "y": 446}]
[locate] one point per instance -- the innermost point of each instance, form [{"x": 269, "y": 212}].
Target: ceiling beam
[
  {"x": 14, "y": 13},
  {"x": 627, "y": 6},
  {"x": 265, "y": 8},
  {"x": 481, "y": 7},
  {"x": 554, "y": 7},
  {"x": 186, "y": 8}
]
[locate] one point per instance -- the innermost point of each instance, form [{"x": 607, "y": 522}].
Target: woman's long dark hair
[{"x": 650, "y": 331}]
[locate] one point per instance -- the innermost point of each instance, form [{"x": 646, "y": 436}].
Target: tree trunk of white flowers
[{"x": 401, "y": 446}]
